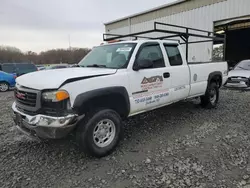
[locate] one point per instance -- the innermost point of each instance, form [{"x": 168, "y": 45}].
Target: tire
[
  {"x": 248, "y": 83},
  {"x": 90, "y": 130},
  {"x": 4, "y": 86},
  {"x": 211, "y": 97}
]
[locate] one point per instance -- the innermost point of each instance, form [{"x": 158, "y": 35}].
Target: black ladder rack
[{"x": 188, "y": 32}]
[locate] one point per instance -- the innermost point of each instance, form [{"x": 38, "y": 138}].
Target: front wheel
[
  {"x": 4, "y": 86},
  {"x": 100, "y": 132},
  {"x": 211, "y": 97}
]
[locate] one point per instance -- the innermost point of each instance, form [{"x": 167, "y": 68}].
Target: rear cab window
[{"x": 174, "y": 55}]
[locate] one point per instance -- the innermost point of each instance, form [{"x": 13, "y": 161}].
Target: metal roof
[{"x": 147, "y": 11}]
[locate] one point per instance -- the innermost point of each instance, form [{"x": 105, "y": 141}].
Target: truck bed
[{"x": 199, "y": 73}]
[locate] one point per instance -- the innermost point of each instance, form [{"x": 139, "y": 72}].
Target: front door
[{"x": 149, "y": 87}]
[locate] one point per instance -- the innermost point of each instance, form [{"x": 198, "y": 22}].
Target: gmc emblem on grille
[{"x": 20, "y": 95}]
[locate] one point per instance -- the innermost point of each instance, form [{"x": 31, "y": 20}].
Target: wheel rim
[
  {"x": 104, "y": 133},
  {"x": 213, "y": 96},
  {"x": 3, "y": 87}
]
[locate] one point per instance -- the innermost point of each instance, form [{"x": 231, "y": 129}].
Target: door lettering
[
  {"x": 151, "y": 97},
  {"x": 152, "y": 82}
]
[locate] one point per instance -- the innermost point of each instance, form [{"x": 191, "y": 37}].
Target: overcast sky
[{"x": 41, "y": 25}]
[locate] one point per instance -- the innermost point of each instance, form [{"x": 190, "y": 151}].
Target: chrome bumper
[
  {"x": 44, "y": 126},
  {"x": 238, "y": 83}
]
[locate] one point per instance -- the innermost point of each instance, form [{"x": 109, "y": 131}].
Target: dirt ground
[{"x": 182, "y": 145}]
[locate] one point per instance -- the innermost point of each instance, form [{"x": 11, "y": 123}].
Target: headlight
[{"x": 55, "y": 96}]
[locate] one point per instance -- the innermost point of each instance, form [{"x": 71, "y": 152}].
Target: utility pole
[
  {"x": 69, "y": 43},
  {"x": 70, "y": 54}
]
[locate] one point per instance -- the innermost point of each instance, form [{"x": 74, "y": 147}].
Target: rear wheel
[
  {"x": 248, "y": 83},
  {"x": 100, "y": 132},
  {"x": 4, "y": 86},
  {"x": 211, "y": 97}
]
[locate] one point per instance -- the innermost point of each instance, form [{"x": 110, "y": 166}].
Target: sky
[{"x": 42, "y": 25}]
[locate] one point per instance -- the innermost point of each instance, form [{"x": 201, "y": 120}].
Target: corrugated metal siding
[
  {"x": 162, "y": 12},
  {"x": 117, "y": 25},
  {"x": 201, "y": 18},
  {"x": 172, "y": 10}
]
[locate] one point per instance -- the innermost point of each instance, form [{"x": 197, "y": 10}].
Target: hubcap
[
  {"x": 213, "y": 96},
  {"x": 3, "y": 87},
  {"x": 104, "y": 133}
]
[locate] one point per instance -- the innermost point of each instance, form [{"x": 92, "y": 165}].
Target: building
[{"x": 230, "y": 17}]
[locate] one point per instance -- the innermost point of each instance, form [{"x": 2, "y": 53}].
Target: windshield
[
  {"x": 243, "y": 65},
  {"x": 114, "y": 56}
]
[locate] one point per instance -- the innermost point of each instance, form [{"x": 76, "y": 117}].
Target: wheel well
[
  {"x": 4, "y": 82},
  {"x": 217, "y": 78},
  {"x": 114, "y": 101}
]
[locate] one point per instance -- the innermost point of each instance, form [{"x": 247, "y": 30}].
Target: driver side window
[{"x": 153, "y": 53}]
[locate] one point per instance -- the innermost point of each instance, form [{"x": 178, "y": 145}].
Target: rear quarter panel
[
  {"x": 199, "y": 74},
  {"x": 4, "y": 77}
]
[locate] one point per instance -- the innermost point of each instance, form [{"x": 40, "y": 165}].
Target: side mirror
[{"x": 143, "y": 64}]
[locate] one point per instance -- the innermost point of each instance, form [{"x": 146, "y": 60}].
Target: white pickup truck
[{"x": 114, "y": 81}]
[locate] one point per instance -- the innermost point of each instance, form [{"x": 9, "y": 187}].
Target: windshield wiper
[{"x": 95, "y": 65}]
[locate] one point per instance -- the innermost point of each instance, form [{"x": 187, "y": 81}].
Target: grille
[{"x": 25, "y": 98}]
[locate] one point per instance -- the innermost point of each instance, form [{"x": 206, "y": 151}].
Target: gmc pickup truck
[{"x": 114, "y": 81}]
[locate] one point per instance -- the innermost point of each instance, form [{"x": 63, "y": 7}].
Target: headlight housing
[{"x": 55, "y": 96}]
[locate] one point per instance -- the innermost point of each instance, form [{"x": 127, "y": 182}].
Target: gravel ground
[{"x": 181, "y": 145}]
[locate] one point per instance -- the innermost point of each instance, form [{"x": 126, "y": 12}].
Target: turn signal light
[{"x": 61, "y": 95}]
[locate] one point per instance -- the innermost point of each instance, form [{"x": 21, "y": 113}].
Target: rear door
[
  {"x": 179, "y": 71},
  {"x": 149, "y": 88}
]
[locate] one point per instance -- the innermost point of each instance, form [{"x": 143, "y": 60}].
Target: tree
[
  {"x": 218, "y": 53},
  {"x": 10, "y": 54},
  {"x": 53, "y": 56}
]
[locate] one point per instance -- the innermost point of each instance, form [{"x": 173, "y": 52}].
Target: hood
[
  {"x": 52, "y": 79},
  {"x": 242, "y": 73}
]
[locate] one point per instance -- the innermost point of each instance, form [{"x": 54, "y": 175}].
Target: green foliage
[{"x": 218, "y": 53}]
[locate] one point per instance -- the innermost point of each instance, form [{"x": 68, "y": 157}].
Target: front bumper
[
  {"x": 238, "y": 83},
  {"x": 44, "y": 126}
]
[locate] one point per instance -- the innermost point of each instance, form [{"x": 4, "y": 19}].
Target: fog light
[
  {"x": 54, "y": 122},
  {"x": 43, "y": 121},
  {"x": 62, "y": 121}
]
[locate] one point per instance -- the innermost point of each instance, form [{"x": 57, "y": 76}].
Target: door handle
[{"x": 166, "y": 74}]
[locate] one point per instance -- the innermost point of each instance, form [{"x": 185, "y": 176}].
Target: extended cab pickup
[{"x": 114, "y": 81}]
